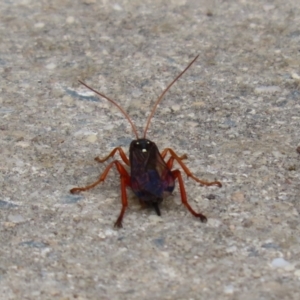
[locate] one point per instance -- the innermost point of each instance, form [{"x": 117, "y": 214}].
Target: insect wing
[{"x": 150, "y": 176}]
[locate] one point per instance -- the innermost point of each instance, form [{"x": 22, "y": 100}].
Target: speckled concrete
[{"x": 235, "y": 113}]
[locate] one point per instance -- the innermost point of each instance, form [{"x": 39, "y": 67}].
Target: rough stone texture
[{"x": 235, "y": 113}]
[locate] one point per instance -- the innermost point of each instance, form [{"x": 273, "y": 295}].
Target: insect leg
[
  {"x": 112, "y": 153},
  {"x": 101, "y": 178},
  {"x": 170, "y": 163},
  {"x": 165, "y": 151},
  {"x": 177, "y": 175},
  {"x": 188, "y": 172},
  {"x": 125, "y": 181}
]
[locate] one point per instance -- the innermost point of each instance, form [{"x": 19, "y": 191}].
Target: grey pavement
[{"x": 235, "y": 113}]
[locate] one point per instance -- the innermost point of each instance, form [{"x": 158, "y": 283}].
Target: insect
[{"x": 151, "y": 177}]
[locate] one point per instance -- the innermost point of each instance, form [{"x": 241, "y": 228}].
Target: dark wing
[{"x": 150, "y": 176}]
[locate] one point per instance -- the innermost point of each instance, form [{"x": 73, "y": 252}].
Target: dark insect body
[{"x": 151, "y": 177}]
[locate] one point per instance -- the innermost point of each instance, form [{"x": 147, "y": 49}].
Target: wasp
[{"x": 151, "y": 177}]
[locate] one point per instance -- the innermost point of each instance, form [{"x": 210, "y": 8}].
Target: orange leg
[
  {"x": 125, "y": 181},
  {"x": 170, "y": 163},
  {"x": 112, "y": 153},
  {"x": 185, "y": 168},
  {"x": 177, "y": 175},
  {"x": 165, "y": 151}
]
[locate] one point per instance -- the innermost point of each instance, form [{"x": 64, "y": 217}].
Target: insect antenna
[
  {"x": 116, "y": 104},
  {"x": 163, "y": 93}
]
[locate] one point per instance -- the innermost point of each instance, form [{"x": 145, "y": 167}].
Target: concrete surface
[{"x": 235, "y": 113}]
